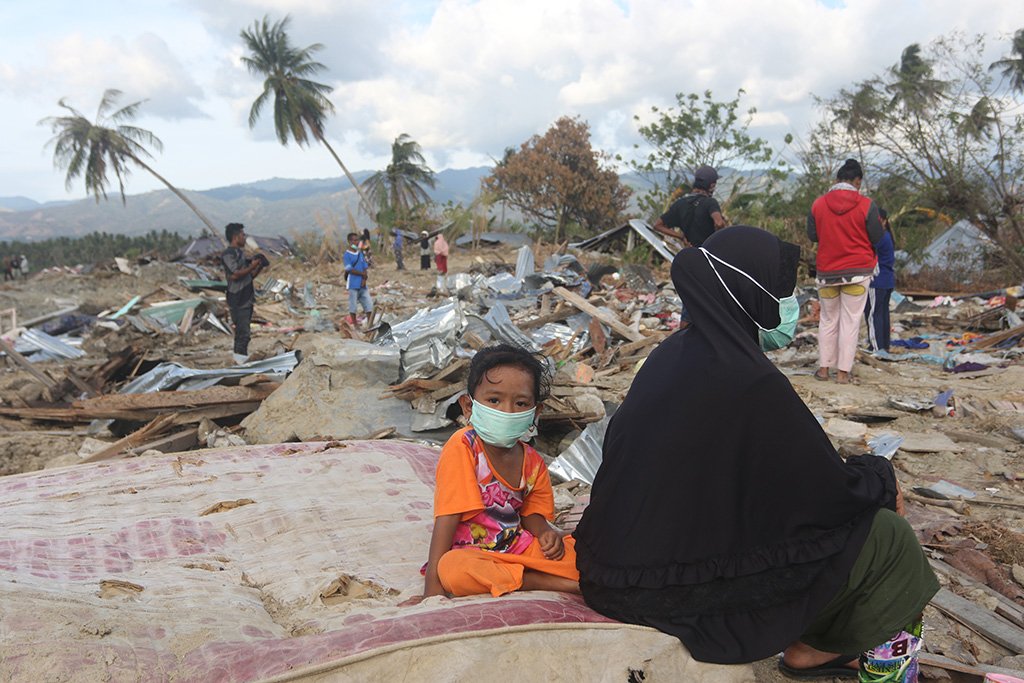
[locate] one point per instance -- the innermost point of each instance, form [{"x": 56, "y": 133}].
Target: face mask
[
  {"x": 499, "y": 428},
  {"x": 789, "y": 310}
]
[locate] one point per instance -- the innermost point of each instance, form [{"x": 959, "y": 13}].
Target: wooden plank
[
  {"x": 182, "y": 440},
  {"x": 25, "y": 365},
  {"x": 558, "y": 315},
  {"x": 79, "y": 383},
  {"x": 139, "y": 436},
  {"x": 177, "y": 400},
  {"x": 940, "y": 662},
  {"x": 609, "y": 320},
  {"x": 633, "y": 347},
  {"x": 980, "y": 620},
  {"x": 448, "y": 391},
  {"x": 452, "y": 368},
  {"x": 993, "y": 339},
  {"x": 1011, "y": 610},
  {"x": 215, "y": 412}
]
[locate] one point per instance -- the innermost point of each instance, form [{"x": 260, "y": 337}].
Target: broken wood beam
[
  {"x": 19, "y": 359},
  {"x": 993, "y": 339},
  {"x": 611, "y": 321},
  {"x": 139, "y": 436},
  {"x": 182, "y": 440},
  {"x": 177, "y": 400},
  {"x": 560, "y": 313},
  {"x": 980, "y": 620}
]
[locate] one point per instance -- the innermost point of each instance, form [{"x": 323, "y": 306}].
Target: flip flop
[
  {"x": 831, "y": 669},
  {"x": 820, "y": 378}
]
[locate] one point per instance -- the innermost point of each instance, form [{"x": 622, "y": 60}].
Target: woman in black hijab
[{"x": 721, "y": 513}]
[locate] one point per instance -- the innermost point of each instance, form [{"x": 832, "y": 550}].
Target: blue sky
[{"x": 464, "y": 78}]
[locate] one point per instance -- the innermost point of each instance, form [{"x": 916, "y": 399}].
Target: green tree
[
  {"x": 1012, "y": 67},
  {"x": 557, "y": 179},
  {"x": 108, "y": 146},
  {"x": 300, "y": 104},
  {"x": 951, "y": 133},
  {"x": 697, "y": 131},
  {"x": 393, "y": 194}
]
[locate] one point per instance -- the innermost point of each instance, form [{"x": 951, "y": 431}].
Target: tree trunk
[
  {"x": 182, "y": 197},
  {"x": 359, "y": 190}
]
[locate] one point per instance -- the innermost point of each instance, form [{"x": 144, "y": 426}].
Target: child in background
[
  {"x": 494, "y": 499},
  {"x": 876, "y": 309}
]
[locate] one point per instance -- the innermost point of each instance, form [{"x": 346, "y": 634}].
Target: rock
[
  {"x": 334, "y": 393},
  {"x": 845, "y": 429},
  {"x": 1018, "y": 574}
]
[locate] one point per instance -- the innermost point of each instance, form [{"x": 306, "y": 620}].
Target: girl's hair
[{"x": 506, "y": 354}]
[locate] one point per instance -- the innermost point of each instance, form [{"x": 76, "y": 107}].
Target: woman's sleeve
[
  {"x": 541, "y": 499},
  {"x": 457, "y": 490},
  {"x": 879, "y": 467}
]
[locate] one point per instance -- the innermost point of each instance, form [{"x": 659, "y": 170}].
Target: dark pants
[
  {"x": 876, "y": 313},
  {"x": 399, "y": 260},
  {"x": 240, "y": 305},
  {"x": 424, "y": 261}
]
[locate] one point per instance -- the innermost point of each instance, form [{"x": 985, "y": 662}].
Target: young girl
[{"x": 494, "y": 500}]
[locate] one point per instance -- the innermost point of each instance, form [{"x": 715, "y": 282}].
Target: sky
[{"x": 464, "y": 78}]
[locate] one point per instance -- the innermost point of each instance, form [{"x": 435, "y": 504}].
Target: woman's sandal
[
  {"x": 819, "y": 377},
  {"x": 834, "y": 668}
]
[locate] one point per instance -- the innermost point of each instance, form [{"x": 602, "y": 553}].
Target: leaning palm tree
[
  {"x": 1013, "y": 66},
  {"x": 402, "y": 185},
  {"x": 300, "y": 104},
  {"x": 94, "y": 150}
]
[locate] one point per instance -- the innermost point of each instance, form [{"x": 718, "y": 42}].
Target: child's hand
[{"x": 551, "y": 544}]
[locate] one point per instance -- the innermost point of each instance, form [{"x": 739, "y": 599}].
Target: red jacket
[{"x": 840, "y": 221}]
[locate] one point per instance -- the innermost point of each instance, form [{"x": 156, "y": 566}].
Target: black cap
[{"x": 704, "y": 177}]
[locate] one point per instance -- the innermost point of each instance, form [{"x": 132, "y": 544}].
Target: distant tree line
[{"x": 92, "y": 248}]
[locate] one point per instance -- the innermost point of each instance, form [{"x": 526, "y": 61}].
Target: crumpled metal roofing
[
  {"x": 428, "y": 339},
  {"x": 582, "y": 459}
]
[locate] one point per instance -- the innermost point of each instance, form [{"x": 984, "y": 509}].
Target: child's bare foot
[{"x": 537, "y": 581}]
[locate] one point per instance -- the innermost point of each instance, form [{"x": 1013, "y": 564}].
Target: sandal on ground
[
  {"x": 834, "y": 668},
  {"x": 820, "y": 377}
]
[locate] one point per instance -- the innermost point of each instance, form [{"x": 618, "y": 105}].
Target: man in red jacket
[{"x": 846, "y": 227}]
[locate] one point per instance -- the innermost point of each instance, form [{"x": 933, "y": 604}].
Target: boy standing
[
  {"x": 239, "y": 270},
  {"x": 356, "y": 268}
]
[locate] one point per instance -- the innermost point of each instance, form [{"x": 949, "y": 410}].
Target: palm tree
[
  {"x": 1013, "y": 66},
  {"x": 93, "y": 150},
  {"x": 300, "y": 104},
  {"x": 914, "y": 85},
  {"x": 400, "y": 186}
]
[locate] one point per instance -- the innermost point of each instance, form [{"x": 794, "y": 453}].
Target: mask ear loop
[{"x": 708, "y": 255}]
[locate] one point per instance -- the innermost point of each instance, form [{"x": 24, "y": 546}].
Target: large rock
[{"x": 334, "y": 393}]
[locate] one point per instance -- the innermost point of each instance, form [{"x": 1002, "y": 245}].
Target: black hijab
[{"x": 721, "y": 512}]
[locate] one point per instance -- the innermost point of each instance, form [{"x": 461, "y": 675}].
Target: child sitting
[{"x": 494, "y": 499}]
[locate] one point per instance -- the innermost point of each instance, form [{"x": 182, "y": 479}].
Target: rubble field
[{"x": 131, "y": 363}]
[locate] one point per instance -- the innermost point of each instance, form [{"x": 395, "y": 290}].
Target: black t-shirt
[{"x": 692, "y": 215}]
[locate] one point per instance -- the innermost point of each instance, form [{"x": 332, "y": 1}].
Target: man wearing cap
[{"x": 697, "y": 214}]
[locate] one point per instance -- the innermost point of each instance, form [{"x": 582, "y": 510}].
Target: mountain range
[{"x": 278, "y": 206}]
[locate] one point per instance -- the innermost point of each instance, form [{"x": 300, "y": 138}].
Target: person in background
[
  {"x": 424, "y": 250},
  {"x": 846, "y": 227},
  {"x": 698, "y": 214},
  {"x": 356, "y": 268},
  {"x": 876, "y": 312},
  {"x": 239, "y": 271},
  {"x": 396, "y": 245},
  {"x": 8, "y": 268},
  {"x": 366, "y": 246},
  {"x": 441, "y": 260}
]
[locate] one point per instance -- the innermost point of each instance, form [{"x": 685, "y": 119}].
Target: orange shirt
[{"x": 490, "y": 508}]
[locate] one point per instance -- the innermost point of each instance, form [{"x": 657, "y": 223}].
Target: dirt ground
[{"x": 975, "y": 447}]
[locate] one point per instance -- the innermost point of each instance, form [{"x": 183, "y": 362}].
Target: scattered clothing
[
  {"x": 970, "y": 367},
  {"x": 912, "y": 343},
  {"x": 491, "y": 549}
]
